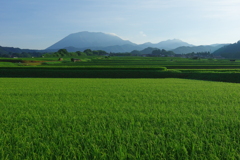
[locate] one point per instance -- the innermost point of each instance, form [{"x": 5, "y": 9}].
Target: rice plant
[{"x": 44, "y": 118}]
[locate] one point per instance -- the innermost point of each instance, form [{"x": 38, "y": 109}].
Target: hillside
[
  {"x": 89, "y": 39},
  {"x": 111, "y": 43},
  {"x": 229, "y": 51},
  {"x": 11, "y": 51},
  {"x": 147, "y": 50},
  {"x": 108, "y": 42},
  {"x": 202, "y": 48}
]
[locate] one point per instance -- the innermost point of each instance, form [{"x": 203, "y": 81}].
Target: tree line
[
  {"x": 65, "y": 53},
  {"x": 89, "y": 52},
  {"x": 23, "y": 54},
  {"x": 199, "y": 54}
]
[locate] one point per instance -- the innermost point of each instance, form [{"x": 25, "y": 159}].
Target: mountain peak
[
  {"x": 90, "y": 39},
  {"x": 100, "y": 40},
  {"x": 174, "y": 41}
]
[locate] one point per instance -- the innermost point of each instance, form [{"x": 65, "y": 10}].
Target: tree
[
  {"x": 88, "y": 51},
  {"x": 136, "y": 52},
  {"x": 62, "y": 52},
  {"x": 101, "y": 52},
  {"x": 47, "y": 55},
  {"x": 156, "y": 52},
  {"x": 56, "y": 54},
  {"x": 95, "y": 52},
  {"x": 5, "y": 55},
  {"x": 79, "y": 53},
  {"x": 24, "y": 54},
  {"x": 72, "y": 54},
  {"x": 16, "y": 55},
  {"x": 164, "y": 51}
]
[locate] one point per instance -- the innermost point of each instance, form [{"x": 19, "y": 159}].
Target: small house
[{"x": 75, "y": 60}]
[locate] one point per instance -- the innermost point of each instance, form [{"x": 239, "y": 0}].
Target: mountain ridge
[
  {"x": 89, "y": 39},
  {"x": 107, "y": 41},
  {"x": 229, "y": 51},
  {"x": 201, "y": 48}
]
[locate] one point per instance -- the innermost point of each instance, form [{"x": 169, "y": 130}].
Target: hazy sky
[{"x": 37, "y": 24}]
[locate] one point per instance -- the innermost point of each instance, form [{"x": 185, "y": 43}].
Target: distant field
[
  {"x": 133, "y": 62},
  {"x": 122, "y": 67},
  {"x": 44, "y": 118}
]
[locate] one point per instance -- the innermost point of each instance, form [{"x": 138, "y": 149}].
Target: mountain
[
  {"x": 168, "y": 44},
  {"x": 11, "y": 51},
  {"x": 108, "y": 42},
  {"x": 115, "y": 48},
  {"x": 202, "y": 48},
  {"x": 147, "y": 50},
  {"x": 89, "y": 39},
  {"x": 229, "y": 51},
  {"x": 6, "y": 50}
]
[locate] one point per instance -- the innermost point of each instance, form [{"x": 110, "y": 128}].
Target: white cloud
[{"x": 113, "y": 34}]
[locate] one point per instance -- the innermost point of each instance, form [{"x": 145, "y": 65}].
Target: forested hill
[
  {"x": 17, "y": 52},
  {"x": 148, "y": 50},
  {"x": 229, "y": 51},
  {"x": 202, "y": 48}
]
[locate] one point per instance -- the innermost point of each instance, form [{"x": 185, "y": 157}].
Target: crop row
[{"x": 212, "y": 75}]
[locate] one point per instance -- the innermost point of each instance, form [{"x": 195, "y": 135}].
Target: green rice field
[
  {"x": 70, "y": 118},
  {"x": 222, "y": 70}
]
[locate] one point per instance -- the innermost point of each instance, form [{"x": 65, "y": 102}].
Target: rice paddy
[{"x": 60, "y": 118}]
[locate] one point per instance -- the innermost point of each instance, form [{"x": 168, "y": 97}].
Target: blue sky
[{"x": 37, "y": 24}]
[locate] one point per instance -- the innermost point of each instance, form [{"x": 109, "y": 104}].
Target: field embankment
[
  {"x": 45, "y": 72},
  {"x": 123, "y": 67}
]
